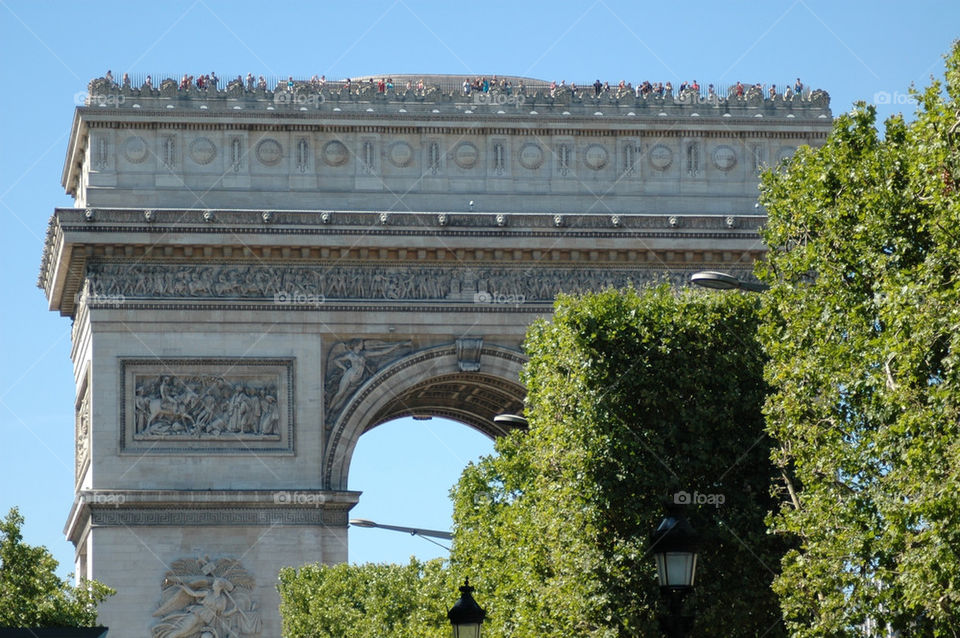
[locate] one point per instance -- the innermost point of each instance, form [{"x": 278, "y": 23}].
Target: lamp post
[
  {"x": 725, "y": 281},
  {"x": 674, "y": 545},
  {"x": 466, "y": 616},
  {"x": 510, "y": 420}
]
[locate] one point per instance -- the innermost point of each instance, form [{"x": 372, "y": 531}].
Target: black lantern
[
  {"x": 466, "y": 616},
  {"x": 674, "y": 545}
]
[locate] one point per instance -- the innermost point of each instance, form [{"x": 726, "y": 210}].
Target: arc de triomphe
[{"x": 257, "y": 278}]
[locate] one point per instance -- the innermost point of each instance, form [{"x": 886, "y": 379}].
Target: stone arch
[{"x": 426, "y": 383}]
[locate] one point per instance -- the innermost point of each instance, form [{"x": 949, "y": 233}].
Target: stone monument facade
[{"x": 257, "y": 278}]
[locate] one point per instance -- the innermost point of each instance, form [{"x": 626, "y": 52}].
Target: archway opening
[{"x": 405, "y": 468}]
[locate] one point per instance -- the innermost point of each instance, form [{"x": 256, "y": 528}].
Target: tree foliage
[
  {"x": 633, "y": 397},
  {"x": 32, "y": 594},
  {"x": 360, "y": 601},
  {"x": 862, "y": 325}
]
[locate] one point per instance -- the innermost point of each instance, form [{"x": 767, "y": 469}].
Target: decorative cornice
[
  {"x": 210, "y": 508},
  {"x": 76, "y": 236}
]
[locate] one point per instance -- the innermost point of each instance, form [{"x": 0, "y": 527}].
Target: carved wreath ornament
[{"x": 203, "y": 598}]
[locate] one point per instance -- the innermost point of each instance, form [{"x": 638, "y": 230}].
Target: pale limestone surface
[{"x": 334, "y": 254}]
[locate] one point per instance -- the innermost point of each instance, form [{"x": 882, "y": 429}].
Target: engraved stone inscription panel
[{"x": 207, "y": 405}]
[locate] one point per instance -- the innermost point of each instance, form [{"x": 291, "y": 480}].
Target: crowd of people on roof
[
  {"x": 481, "y": 85},
  {"x": 643, "y": 89}
]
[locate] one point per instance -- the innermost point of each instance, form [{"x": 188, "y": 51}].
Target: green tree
[
  {"x": 633, "y": 396},
  {"x": 862, "y": 324},
  {"x": 32, "y": 594},
  {"x": 360, "y": 601}
]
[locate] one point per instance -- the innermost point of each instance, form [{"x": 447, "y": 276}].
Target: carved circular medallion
[
  {"x": 724, "y": 158},
  {"x": 401, "y": 154},
  {"x": 661, "y": 157},
  {"x": 269, "y": 152},
  {"x": 596, "y": 157},
  {"x": 135, "y": 149},
  {"x": 466, "y": 155},
  {"x": 202, "y": 150},
  {"x": 335, "y": 153},
  {"x": 786, "y": 152},
  {"x": 531, "y": 156}
]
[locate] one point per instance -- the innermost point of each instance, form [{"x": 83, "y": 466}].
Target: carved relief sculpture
[
  {"x": 83, "y": 435},
  {"x": 202, "y": 598},
  {"x": 434, "y": 158},
  {"x": 205, "y": 407},
  {"x": 169, "y": 151},
  {"x": 392, "y": 283},
  {"x": 235, "y": 154},
  {"x": 350, "y": 363},
  {"x": 468, "y": 353},
  {"x": 302, "y": 155}
]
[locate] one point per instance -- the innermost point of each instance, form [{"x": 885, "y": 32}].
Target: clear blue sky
[{"x": 50, "y": 50}]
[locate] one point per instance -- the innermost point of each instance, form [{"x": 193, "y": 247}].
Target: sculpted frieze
[{"x": 310, "y": 287}]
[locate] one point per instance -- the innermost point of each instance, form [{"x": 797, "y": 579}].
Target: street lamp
[
  {"x": 413, "y": 531},
  {"x": 725, "y": 281},
  {"x": 466, "y": 615},
  {"x": 426, "y": 534},
  {"x": 510, "y": 420},
  {"x": 674, "y": 545}
]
